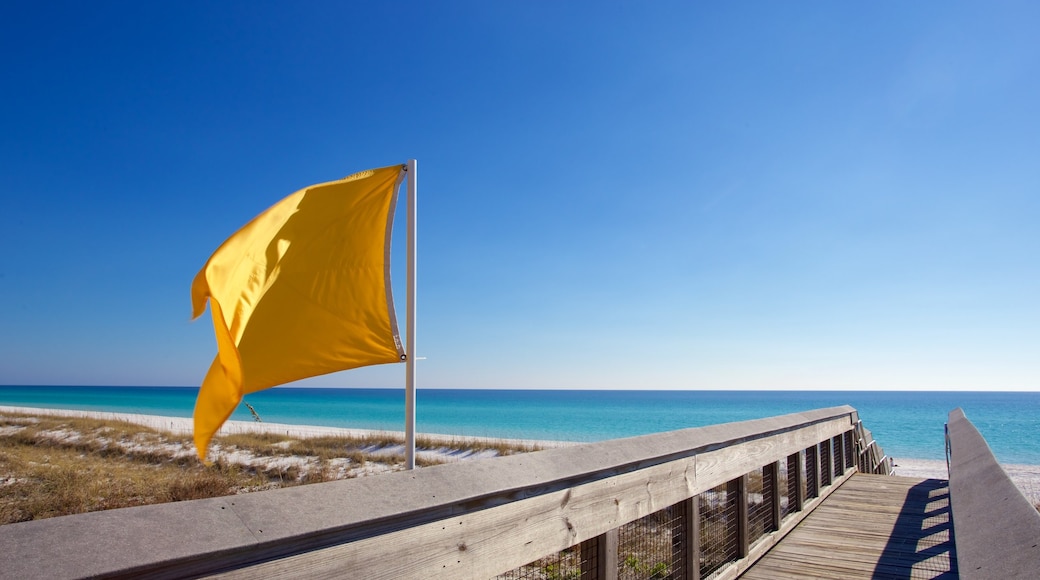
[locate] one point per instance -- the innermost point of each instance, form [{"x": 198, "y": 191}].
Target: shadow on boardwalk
[
  {"x": 922, "y": 540},
  {"x": 873, "y": 526}
]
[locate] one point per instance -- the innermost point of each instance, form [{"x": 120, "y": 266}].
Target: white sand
[
  {"x": 1026, "y": 477},
  {"x": 928, "y": 468},
  {"x": 453, "y": 447}
]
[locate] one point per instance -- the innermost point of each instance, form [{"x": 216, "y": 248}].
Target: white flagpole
[{"x": 409, "y": 395}]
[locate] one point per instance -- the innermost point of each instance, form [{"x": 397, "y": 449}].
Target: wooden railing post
[
  {"x": 740, "y": 485},
  {"x": 692, "y": 527},
  {"x": 771, "y": 485}
]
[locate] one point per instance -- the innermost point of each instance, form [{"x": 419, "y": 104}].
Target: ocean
[{"x": 906, "y": 424}]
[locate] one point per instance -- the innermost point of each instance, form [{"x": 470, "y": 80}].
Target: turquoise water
[{"x": 907, "y": 424}]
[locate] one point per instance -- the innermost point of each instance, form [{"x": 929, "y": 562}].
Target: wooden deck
[{"x": 873, "y": 526}]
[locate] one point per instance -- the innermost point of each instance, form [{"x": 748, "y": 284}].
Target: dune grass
[
  {"x": 52, "y": 466},
  {"x": 57, "y": 466}
]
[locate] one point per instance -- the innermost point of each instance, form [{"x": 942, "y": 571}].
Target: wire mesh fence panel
[
  {"x": 825, "y": 463},
  {"x": 850, "y": 450},
  {"x": 786, "y": 484},
  {"x": 593, "y": 560},
  {"x": 760, "y": 504},
  {"x": 811, "y": 486},
  {"x": 718, "y": 529},
  {"x": 653, "y": 546},
  {"x": 793, "y": 483},
  {"x": 839, "y": 455},
  {"x": 566, "y": 565}
]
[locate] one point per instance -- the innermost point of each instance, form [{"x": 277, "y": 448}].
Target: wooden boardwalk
[{"x": 873, "y": 526}]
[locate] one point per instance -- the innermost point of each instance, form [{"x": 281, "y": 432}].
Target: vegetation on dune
[{"x": 52, "y": 466}]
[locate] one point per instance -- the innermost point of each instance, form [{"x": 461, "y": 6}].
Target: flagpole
[{"x": 409, "y": 395}]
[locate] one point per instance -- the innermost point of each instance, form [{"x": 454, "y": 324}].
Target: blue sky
[{"x": 667, "y": 195}]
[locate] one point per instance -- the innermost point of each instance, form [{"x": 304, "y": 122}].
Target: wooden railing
[
  {"x": 871, "y": 458},
  {"x": 695, "y": 503},
  {"x": 996, "y": 529}
]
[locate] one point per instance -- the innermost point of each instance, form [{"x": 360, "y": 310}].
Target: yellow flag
[{"x": 302, "y": 290}]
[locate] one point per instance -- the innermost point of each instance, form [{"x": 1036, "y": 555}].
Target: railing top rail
[
  {"x": 307, "y": 517},
  {"x": 995, "y": 527}
]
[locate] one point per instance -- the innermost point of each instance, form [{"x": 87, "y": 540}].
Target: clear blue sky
[{"x": 670, "y": 195}]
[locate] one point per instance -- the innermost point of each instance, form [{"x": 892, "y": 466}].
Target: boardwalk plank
[{"x": 874, "y": 526}]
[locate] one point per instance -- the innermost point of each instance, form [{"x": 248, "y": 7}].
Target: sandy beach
[
  {"x": 451, "y": 447},
  {"x": 1026, "y": 477}
]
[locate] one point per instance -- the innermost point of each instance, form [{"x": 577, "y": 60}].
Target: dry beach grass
[{"x": 53, "y": 465}]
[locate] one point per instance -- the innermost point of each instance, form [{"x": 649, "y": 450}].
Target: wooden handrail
[
  {"x": 465, "y": 520},
  {"x": 996, "y": 529}
]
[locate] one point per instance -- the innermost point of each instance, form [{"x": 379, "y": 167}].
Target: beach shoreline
[
  {"x": 185, "y": 426},
  {"x": 1026, "y": 477}
]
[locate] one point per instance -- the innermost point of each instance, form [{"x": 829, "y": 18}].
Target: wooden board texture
[{"x": 873, "y": 526}]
